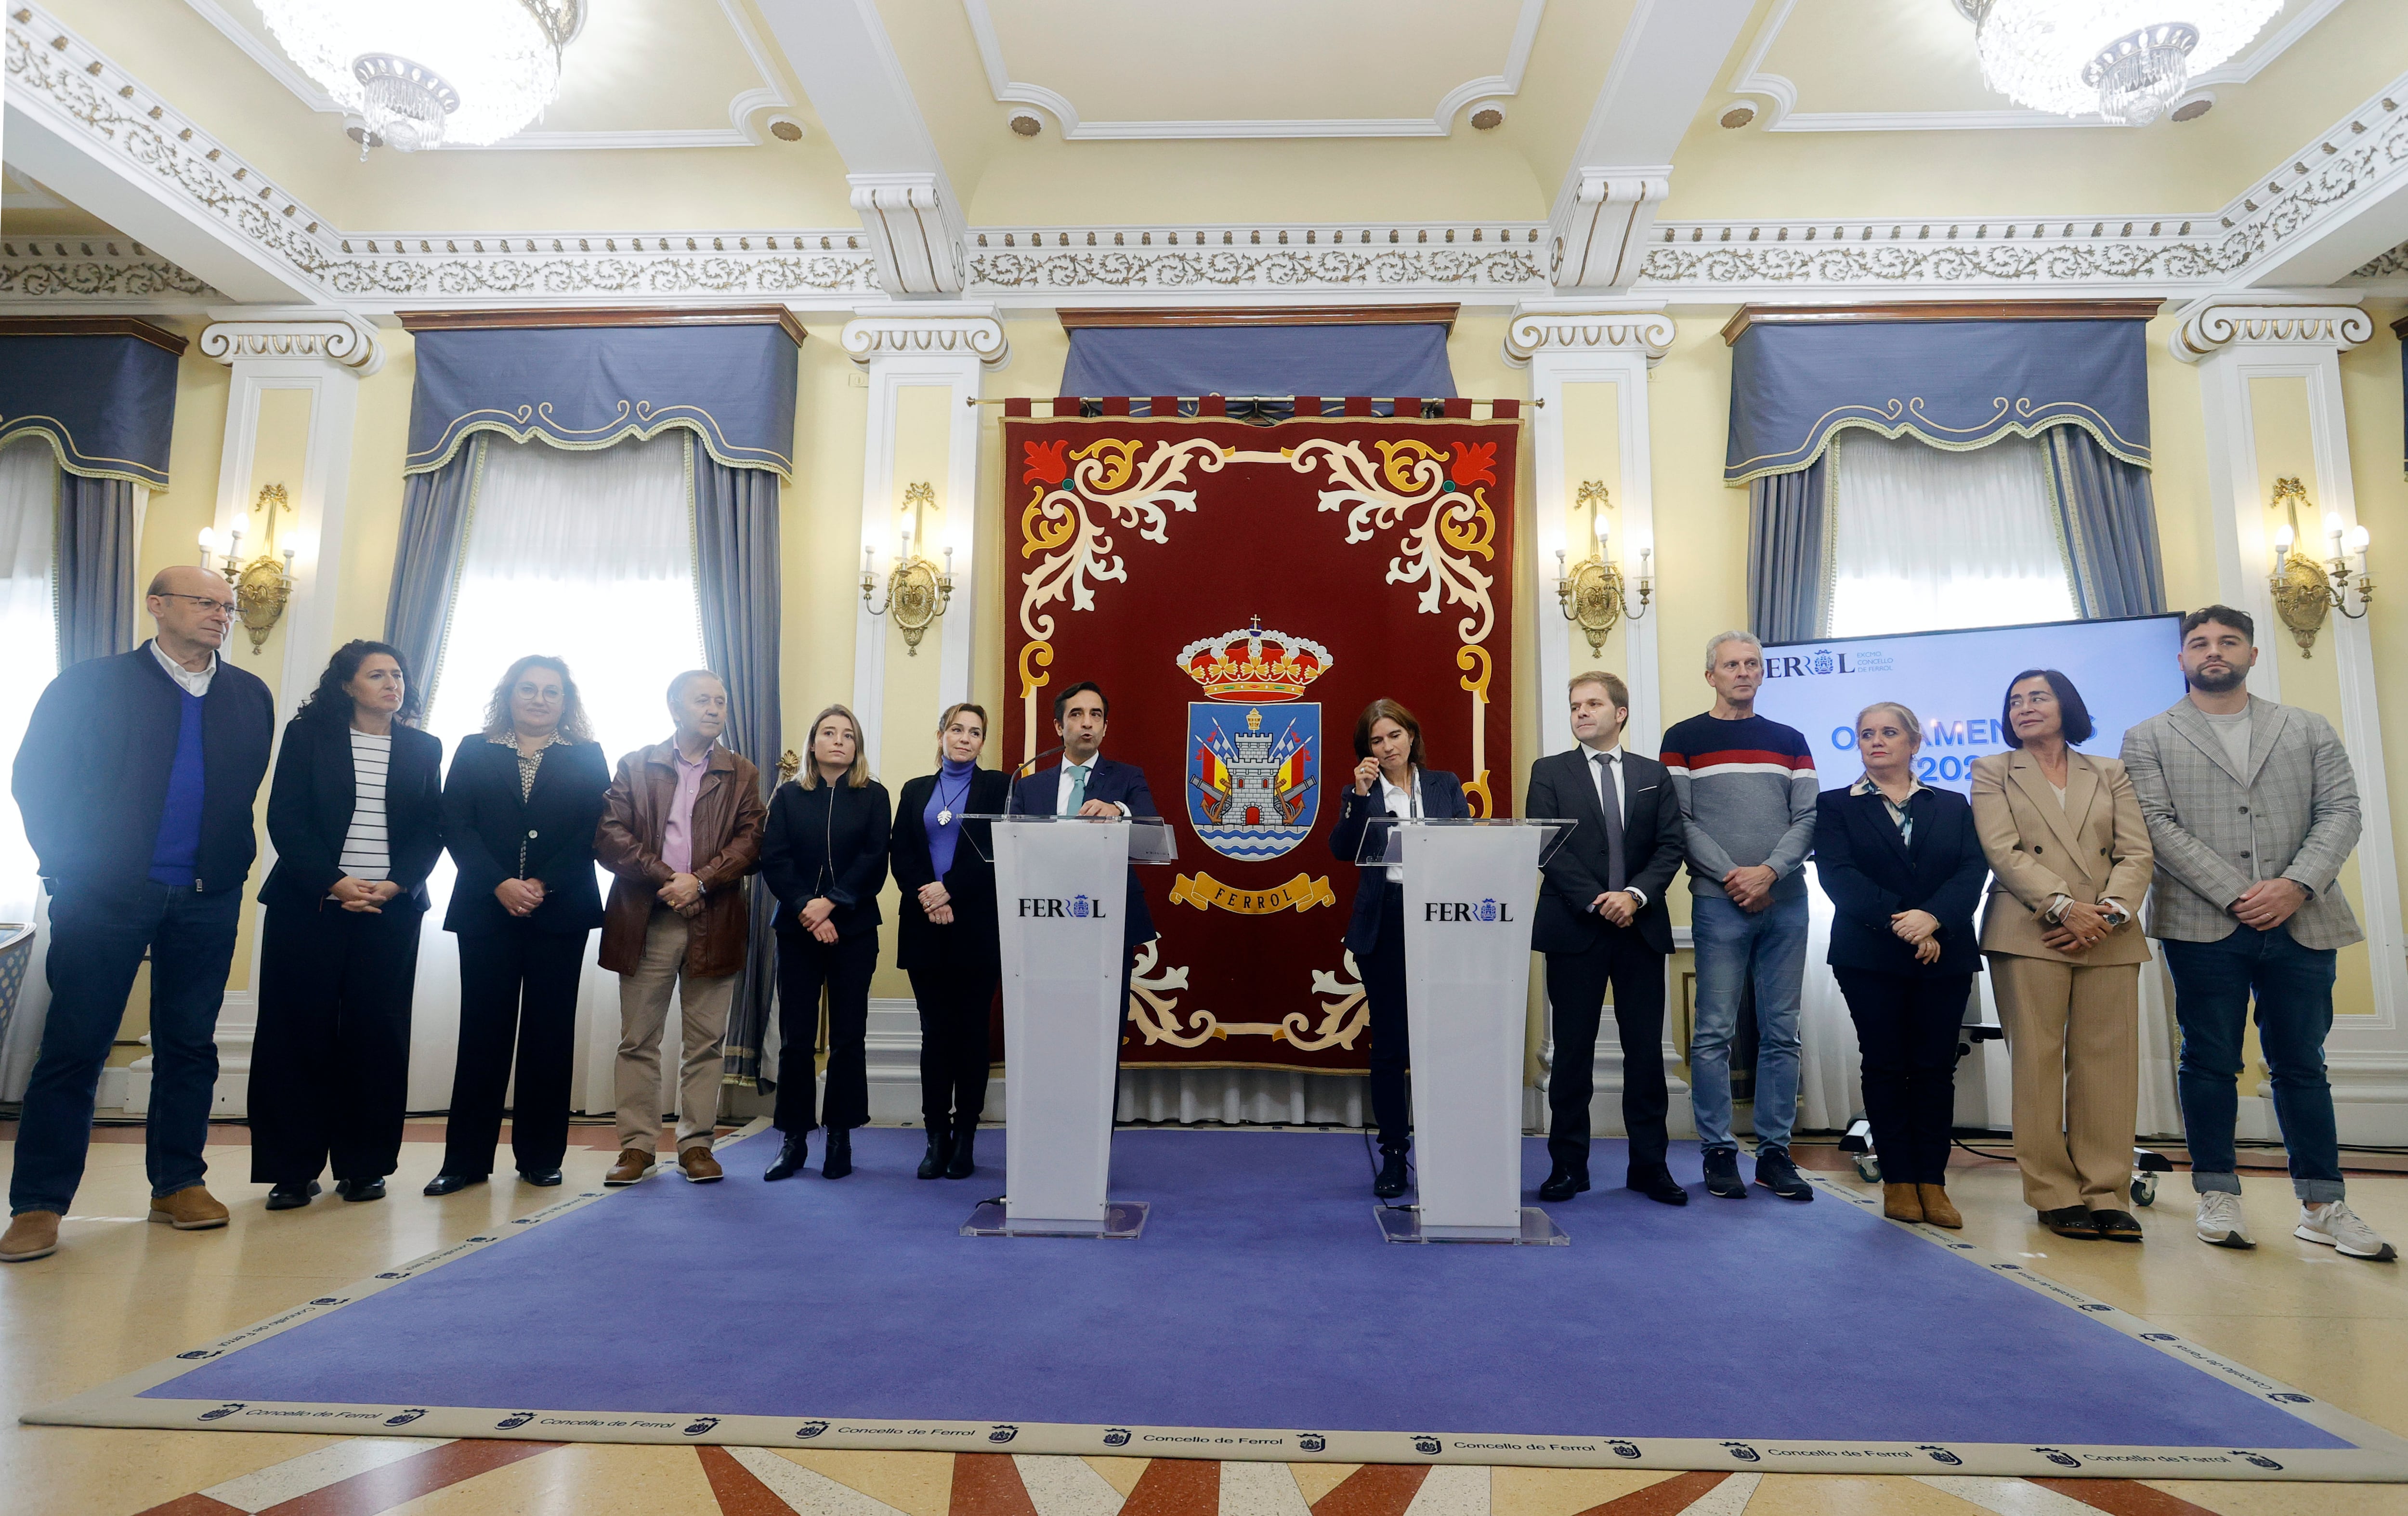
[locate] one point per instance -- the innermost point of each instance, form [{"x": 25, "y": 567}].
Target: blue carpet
[{"x": 1259, "y": 1296}]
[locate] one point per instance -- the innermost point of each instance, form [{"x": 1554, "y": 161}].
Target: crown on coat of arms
[{"x": 1253, "y": 664}]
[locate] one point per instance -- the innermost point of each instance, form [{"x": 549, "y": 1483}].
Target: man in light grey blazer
[{"x": 2253, "y": 809}]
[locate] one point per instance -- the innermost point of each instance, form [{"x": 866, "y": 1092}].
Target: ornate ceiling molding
[
  {"x": 316, "y": 335},
  {"x": 914, "y": 229},
  {"x": 2212, "y": 328},
  {"x": 1600, "y": 237},
  {"x": 1752, "y": 260},
  {"x": 1439, "y": 122},
  {"x": 800, "y": 269},
  {"x": 1406, "y": 258},
  {"x": 949, "y": 331},
  {"x": 58, "y": 270},
  {"x": 1545, "y": 327}
]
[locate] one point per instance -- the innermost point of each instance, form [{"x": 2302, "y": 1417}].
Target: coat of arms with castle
[{"x": 1254, "y": 749}]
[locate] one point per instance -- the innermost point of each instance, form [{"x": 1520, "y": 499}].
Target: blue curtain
[
  {"x": 426, "y": 562},
  {"x": 108, "y": 403},
  {"x": 1332, "y": 361},
  {"x": 2107, "y": 516},
  {"x": 1789, "y": 526}
]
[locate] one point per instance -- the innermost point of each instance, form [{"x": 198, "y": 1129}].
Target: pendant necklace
[{"x": 945, "y": 814}]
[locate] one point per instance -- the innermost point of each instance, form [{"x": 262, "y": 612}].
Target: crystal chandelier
[
  {"x": 420, "y": 73},
  {"x": 2126, "y": 59}
]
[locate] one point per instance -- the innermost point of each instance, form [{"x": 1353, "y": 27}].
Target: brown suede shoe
[
  {"x": 1937, "y": 1209},
  {"x": 192, "y": 1208},
  {"x": 1899, "y": 1203},
  {"x": 633, "y": 1165},
  {"x": 31, "y": 1235},
  {"x": 700, "y": 1166}
]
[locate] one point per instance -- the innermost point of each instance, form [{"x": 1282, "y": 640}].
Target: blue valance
[
  {"x": 586, "y": 387},
  {"x": 107, "y": 403},
  {"x": 1955, "y": 385},
  {"x": 1320, "y": 360}
]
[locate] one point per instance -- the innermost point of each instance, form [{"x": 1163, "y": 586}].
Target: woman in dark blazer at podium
[
  {"x": 823, "y": 855},
  {"x": 1389, "y": 780},
  {"x": 1904, "y": 867},
  {"x": 945, "y": 933}
]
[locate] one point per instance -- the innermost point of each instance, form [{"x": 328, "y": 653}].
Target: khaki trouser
[
  {"x": 2073, "y": 1041},
  {"x": 643, "y": 1011}
]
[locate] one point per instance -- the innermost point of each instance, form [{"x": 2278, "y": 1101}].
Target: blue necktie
[{"x": 1078, "y": 788}]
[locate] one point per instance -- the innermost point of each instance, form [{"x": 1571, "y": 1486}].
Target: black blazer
[
  {"x": 1870, "y": 875},
  {"x": 807, "y": 852},
  {"x": 1120, "y": 783},
  {"x": 1563, "y": 785},
  {"x": 309, "y": 812},
  {"x": 1442, "y": 800},
  {"x": 971, "y": 940},
  {"x": 92, "y": 772},
  {"x": 484, "y": 821}
]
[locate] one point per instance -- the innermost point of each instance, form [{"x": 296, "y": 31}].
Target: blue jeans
[
  {"x": 2213, "y": 984},
  {"x": 97, "y": 938},
  {"x": 1732, "y": 945}
]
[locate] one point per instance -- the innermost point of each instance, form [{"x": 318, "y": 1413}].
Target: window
[
  {"x": 29, "y": 508},
  {"x": 1925, "y": 538}
]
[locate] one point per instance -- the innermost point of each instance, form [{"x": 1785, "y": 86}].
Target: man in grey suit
[{"x": 2253, "y": 809}]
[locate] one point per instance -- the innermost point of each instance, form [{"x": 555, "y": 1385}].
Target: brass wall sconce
[
  {"x": 263, "y": 586},
  {"x": 2306, "y": 591},
  {"x": 917, "y": 591},
  {"x": 1593, "y": 592}
]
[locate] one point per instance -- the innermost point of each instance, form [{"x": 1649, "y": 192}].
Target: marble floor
[{"x": 121, "y": 1293}]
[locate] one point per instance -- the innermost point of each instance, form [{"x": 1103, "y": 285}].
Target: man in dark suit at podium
[
  {"x": 1601, "y": 920},
  {"x": 1087, "y": 783}
]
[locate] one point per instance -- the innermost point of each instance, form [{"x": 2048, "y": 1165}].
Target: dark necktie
[{"x": 1609, "y": 799}]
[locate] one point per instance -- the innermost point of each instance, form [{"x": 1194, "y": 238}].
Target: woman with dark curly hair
[
  {"x": 356, "y": 817},
  {"x": 520, "y": 809}
]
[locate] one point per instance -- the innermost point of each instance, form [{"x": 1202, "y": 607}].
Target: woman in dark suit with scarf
[
  {"x": 1390, "y": 782},
  {"x": 356, "y": 815},
  {"x": 520, "y": 808},
  {"x": 823, "y": 855},
  {"x": 946, "y": 936},
  {"x": 1904, "y": 869}
]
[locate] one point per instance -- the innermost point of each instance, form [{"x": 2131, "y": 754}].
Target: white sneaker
[
  {"x": 2338, "y": 1227},
  {"x": 2220, "y": 1221}
]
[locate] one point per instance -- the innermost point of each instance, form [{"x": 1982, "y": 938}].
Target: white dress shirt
[
  {"x": 195, "y": 684},
  {"x": 1401, "y": 802},
  {"x": 1615, "y": 776}
]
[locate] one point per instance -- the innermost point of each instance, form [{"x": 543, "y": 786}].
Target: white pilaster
[
  {"x": 2232, "y": 343},
  {"x": 949, "y": 347}
]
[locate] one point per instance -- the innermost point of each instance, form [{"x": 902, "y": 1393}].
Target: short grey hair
[
  {"x": 1714, "y": 644},
  {"x": 1905, "y": 718},
  {"x": 684, "y": 681}
]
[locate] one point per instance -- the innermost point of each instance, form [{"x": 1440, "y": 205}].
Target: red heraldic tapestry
[{"x": 1242, "y": 592}]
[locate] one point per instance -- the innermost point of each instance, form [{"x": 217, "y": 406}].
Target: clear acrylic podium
[
  {"x": 1471, "y": 887},
  {"x": 1061, "y": 886}
]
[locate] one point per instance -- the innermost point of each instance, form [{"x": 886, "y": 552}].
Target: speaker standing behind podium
[
  {"x": 1601, "y": 919},
  {"x": 1087, "y": 783},
  {"x": 1389, "y": 782}
]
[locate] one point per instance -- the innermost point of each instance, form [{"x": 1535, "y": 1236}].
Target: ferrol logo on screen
[
  {"x": 1078, "y": 908},
  {"x": 1488, "y": 911}
]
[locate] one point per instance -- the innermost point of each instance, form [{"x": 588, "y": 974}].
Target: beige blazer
[{"x": 2094, "y": 846}]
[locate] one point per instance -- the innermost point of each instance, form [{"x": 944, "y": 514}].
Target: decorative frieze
[
  {"x": 2207, "y": 329},
  {"x": 520, "y": 270},
  {"x": 92, "y": 268},
  {"x": 1194, "y": 260},
  {"x": 329, "y": 337}
]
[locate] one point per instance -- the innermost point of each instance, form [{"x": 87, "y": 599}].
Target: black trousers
[
  {"x": 955, "y": 996},
  {"x": 518, "y": 989},
  {"x": 1392, "y": 1053},
  {"x": 844, "y": 966},
  {"x": 1576, "y": 985},
  {"x": 1907, "y": 1032},
  {"x": 330, "y": 1068}
]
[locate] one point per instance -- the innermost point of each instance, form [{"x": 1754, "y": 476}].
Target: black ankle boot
[
  {"x": 940, "y": 1151},
  {"x": 838, "y": 1161},
  {"x": 965, "y": 1158},
  {"x": 791, "y": 1157},
  {"x": 1391, "y": 1182}
]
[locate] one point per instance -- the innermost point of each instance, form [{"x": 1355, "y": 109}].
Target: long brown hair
[
  {"x": 854, "y": 778},
  {"x": 573, "y": 725},
  {"x": 1389, "y": 709}
]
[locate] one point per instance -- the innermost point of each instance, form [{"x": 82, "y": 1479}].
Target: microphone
[{"x": 1011, "y": 792}]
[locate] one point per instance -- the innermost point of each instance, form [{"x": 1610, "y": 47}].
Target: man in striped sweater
[{"x": 1746, "y": 787}]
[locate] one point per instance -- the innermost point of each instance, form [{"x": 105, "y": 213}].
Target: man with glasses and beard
[
  {"x": 2253, "y": 809},
  {"x": 137, "y": 779}
]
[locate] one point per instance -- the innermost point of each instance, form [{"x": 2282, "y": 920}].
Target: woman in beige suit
[{"x": 2072, "y": 860}]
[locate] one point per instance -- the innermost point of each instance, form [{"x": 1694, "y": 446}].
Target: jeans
[
  {"x": 1733, "y": 945},
  {"x": 97, "y": 938},
  {"x": 2214, "y": 983}
]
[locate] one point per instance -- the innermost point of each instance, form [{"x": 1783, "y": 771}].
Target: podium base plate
[
  {"x": 1123, "y": 1221},
  {"x": 1399, "y": 1225}
]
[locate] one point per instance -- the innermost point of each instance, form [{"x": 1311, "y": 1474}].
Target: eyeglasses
[{"x": 224, "y": 607}]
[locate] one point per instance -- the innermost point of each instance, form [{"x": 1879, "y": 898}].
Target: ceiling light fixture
[
  {"x": 2126, "y": 60},
  {"x": 420, "y": 73}
]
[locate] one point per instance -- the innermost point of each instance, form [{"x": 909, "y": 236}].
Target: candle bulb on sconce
[
  {"x": 917, "y": 592},
  {"x": 263, "y": 586},
  {"x": 2306, "y": 592},
  {"x": 1592, "y": 594}
]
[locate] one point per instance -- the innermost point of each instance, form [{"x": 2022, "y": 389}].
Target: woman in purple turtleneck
[{"x": 946, "y": 935}]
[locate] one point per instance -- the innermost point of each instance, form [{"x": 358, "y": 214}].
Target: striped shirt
[
  {"x": 1747, "y": 793},
  {"x": 364, "y": 855}
]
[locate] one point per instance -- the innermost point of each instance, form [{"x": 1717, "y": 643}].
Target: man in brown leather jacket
[{"x": 680, "y": 828}]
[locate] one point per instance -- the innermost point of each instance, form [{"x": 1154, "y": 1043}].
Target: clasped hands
[
  {"x": 2079, "y": 927},
  {"x": 2268, "y": 903},
  {"x": 363, "y": 897},
  {"x": 683, "y": 894},
  {"x": 520, "y": 897},
  {"x": 938, "y": 902},
  {"x": 814, "y": 917},
  {"x": 1922, "y": 929},
  {"x": 1749, "y": 885},
  {"x": 1616, "y": 906}
]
